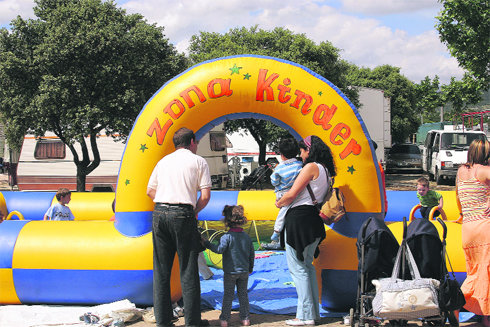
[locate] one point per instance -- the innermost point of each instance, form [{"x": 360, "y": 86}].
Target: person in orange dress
[{"x": 473, "y": 192}]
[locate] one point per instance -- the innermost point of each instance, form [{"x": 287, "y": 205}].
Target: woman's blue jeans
[{"x": 304, "y": 278}]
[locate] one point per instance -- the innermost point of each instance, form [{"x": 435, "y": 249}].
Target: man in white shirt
[{"x": 173, "y": 186}]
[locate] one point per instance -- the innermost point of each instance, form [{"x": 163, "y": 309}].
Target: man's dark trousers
[{"x": 175, "y": 230}]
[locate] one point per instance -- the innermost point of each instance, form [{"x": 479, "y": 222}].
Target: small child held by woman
[{"x": 238, "y": 261}]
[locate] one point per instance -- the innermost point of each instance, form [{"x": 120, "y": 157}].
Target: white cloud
[
  {"x": 9, "y": 9},
  {"x": 366, "y": 42},
  {"x": 382, "y": 7}
]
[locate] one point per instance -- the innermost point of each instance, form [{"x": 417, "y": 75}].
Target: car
[{"x": 405, "y": 156}]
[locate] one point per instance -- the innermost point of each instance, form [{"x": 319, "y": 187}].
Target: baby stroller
[
  {"x": 429, "y": 252},
  {"x": 376, "y": 251}
]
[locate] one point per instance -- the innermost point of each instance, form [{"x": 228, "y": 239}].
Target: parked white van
[{"x": 445, "y": 150}]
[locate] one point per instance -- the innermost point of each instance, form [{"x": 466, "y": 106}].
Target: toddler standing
[
  {"x": 282, "y": 178},
  {"x": 238, "y": 261}
]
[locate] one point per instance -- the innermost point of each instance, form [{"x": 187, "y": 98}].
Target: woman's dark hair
[
  {"x": 319, "y": 153},
  {"x": 233, "y": 216}
]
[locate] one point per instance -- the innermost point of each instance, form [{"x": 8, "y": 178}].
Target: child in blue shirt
[
  {"x": 59, "y": 211},
  {"x": 283, "y": 178},
  {"x": 238, "y": 262}
]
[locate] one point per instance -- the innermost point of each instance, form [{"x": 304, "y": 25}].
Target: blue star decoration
[
  {"x": 351, "y": 170},
  {"x": 143, "y": 147},
  {"x": 247, "y": 76},
  {"x": 235, "y": 69},
  {"x": 127, "y": 182},
  {"x": 320, "y": 93}
]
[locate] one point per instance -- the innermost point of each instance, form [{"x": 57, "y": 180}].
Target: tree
[
  {"x": 281, "y": 43},
  {"x": 404, "y": 116},
  {"x": 462, "y": 93},
  {"x": 82, "y": 68},
  {"x": 429, "y": 99},
  {"x": 464, "y": 27}
]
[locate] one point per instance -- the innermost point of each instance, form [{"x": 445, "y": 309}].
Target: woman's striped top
[{"x": 473, "y": 196}]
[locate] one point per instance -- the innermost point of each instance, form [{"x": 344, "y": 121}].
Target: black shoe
[{"x": 204, "y": 322}]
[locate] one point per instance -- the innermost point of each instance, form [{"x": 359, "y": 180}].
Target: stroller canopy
[
  {"x": 423, "y": 240},
  {"x": 380, "y": 248}
]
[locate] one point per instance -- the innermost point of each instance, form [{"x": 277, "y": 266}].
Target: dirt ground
[
  {"x": 272, "y": 320},
  {"x": 408, "y": 182},
  {"x": 255, "y": 319}
]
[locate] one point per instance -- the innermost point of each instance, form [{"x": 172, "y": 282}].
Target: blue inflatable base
[{"x": 270, "y": 288}]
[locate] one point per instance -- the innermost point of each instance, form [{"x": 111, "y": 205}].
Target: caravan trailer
[{"x": 46, "y": 164}]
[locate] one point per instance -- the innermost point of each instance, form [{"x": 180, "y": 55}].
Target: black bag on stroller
[{"x": 376, "y": 251}]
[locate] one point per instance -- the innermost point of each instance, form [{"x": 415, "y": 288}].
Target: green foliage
[
  {"x": 464, "y": 26},
  {"x": 323, "y": 59},
  {"x": 461, "y": 94},
  {"x": 81, "y": 68},
  {"x": 429, "y": 99},
  {"x": 404, "y": 117}
]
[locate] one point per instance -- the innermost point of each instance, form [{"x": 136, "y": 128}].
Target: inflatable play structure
[{"x": 95, "y": 260}]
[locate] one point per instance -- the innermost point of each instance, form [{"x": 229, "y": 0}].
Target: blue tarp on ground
[{"x": 270, "y": 288}]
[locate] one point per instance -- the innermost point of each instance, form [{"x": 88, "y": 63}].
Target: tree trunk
[{"x": 81, "y": 180}]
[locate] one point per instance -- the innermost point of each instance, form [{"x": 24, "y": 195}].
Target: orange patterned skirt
[{"x": 476, "y": 246}]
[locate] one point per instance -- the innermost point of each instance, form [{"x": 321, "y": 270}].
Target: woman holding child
[
  {"x": 473, "y": 191},
  {"x": 304, "y": 229}
]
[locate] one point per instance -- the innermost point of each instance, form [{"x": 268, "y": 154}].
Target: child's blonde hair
[
  {"x": 423, "y": 181},
  {"x": 233, "y": 216},
  {"x": 62, "y": 192}
]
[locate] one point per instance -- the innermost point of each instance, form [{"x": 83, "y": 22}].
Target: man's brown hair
[
  {"x": 182, "y": 138},
  {"x": 62, "y": 192}
]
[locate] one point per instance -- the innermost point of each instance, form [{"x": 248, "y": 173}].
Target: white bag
[{"x": 406, "y": 299}]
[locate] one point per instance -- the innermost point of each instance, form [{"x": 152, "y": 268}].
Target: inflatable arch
[
  {"x": 283, "y": 92},
  {"x": 99, "y": 261}
]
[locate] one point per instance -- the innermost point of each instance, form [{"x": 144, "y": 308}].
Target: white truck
[
  {"x": 45, "y": 164},
  {"x": 375, "y": 111},
  {"x": 445, "y": 150}
]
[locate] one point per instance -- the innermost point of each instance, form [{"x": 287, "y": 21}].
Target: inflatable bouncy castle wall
[{"x": 98, "y": 261}]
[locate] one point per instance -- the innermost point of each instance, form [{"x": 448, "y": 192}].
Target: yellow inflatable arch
[{"x": 247, "y": 86}]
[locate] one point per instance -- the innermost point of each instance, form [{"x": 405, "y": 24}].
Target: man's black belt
[{"x": 175, "y": 205}]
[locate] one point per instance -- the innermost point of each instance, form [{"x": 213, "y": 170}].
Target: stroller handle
[
  {"x": 404, "y": 227},
  {"x": 444, "y": 228},
  {"x": 365, "y": 226}
]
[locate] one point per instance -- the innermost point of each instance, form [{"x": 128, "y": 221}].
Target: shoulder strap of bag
[
  {"x": 444, "y": 267},
  {"x": 414, "y": 271},
  {"x": 308, "y": 187},
  {"x": 330, "y": 179}
]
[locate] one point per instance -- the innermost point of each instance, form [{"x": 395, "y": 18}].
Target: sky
[{"x": 369, "y": 33}]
